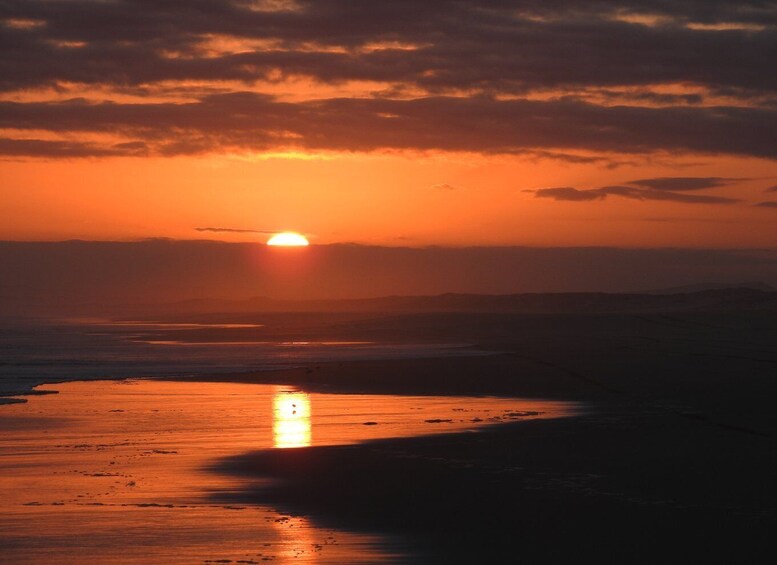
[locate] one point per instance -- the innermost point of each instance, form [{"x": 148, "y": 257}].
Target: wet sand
[{"x": 118, "y": 471}]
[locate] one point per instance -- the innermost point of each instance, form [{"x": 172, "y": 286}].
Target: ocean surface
[
  {"x": 132, "y": 471},
  {"x": 37, "y": 352}
]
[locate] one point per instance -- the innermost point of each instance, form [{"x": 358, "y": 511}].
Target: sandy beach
[{"x": 665, "y": 451}]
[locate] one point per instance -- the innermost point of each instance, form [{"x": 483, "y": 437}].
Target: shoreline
[
  {"x": 675, "y": 462},
  {"x": 496, "y": 374}
]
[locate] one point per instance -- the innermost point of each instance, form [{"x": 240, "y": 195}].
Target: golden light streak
[{"x": 291, "y": 420}]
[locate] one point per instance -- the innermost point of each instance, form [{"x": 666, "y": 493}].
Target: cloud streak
[
  {"x": 233, "y": 230},
  {"x": 660, "y": 189},
  {"x": 685, "y": 183}
]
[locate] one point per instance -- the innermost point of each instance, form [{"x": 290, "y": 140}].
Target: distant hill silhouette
[
  {"x": 714, "y": 299},
  {"x": 712, "y": 286},
  {"x": 100, "y": 278}
]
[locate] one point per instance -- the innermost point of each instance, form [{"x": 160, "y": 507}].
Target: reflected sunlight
[{"x": 291, "y": 419}]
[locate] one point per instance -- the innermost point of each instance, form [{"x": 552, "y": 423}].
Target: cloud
[
  {"x": 771, "y": 189},
  {"x": 244, "y": 121},
  {"x": 68, "y": 149},
  {"x": 233, "y": 230},
  {"x": 450, "y": 75},
  {"x": 767, "y": 204},
  {"x": 509, "y": 46},
  {"x": 660, "y": 189},
  {"x": 570, "y": 194},
  {"x": 685, "y": 183},
  {"x": 446, "y": 186},
  {"x": 653, "y": 194}
]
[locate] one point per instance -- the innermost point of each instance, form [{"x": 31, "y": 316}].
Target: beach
[{"x": 666, "y": 451}]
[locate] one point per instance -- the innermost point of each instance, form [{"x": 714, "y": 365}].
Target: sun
[{"x": 288, "y": 239}]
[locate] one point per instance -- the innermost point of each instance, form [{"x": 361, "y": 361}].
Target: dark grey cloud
[
  {"x": 652, "y": 194},
  {"x": 685, "y": 183},
  {"x": 767, "y": 204},
  {"x": 570, "y": 194},
  {"x": 480, "y": 49},
  {"x": 771, "y": 189},
  {"x": 68, "y": 149},
  {"x": 511, "y": 46},
  {"x": 669, "y": 189},
  {"x": 250, "y": 121}
]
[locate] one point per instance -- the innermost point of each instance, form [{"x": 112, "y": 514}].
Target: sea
[{"x": 34, "y": 352}]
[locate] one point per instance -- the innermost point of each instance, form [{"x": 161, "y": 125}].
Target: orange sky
[
  {"x": 124, "y": 121},
  {"x": 406, "y": 200}
]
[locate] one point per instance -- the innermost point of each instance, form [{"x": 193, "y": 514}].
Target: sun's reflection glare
[{"x": 291, "y": 419}]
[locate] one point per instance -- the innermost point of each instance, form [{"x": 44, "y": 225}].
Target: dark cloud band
[
  {"x": 472, "y": 68},
  {"x": 254, "y": 122}
]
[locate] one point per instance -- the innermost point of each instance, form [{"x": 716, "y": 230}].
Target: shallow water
[
  {"x": 114, "y": 471},
  {"x": 33, "y": 353}
]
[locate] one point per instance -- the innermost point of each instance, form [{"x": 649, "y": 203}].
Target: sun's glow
[
  {"x": 291, "y": 419},
  {"x": 288, "y": 239}
]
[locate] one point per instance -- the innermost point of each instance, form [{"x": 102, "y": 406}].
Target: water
[
  {"x": 32, "y": 354},
  {"x": 117, "y": 471}
]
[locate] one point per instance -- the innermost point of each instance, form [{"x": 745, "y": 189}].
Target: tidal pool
[{"x": 115, "y": 471}]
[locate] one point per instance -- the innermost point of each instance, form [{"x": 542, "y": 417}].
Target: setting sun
[{"x": 288, "y": 239}]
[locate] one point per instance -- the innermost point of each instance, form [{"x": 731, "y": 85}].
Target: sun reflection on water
[{"x": 291, "y": 419}]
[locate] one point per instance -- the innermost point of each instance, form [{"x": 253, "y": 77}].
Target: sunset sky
[{"x": 640, "y": 123}]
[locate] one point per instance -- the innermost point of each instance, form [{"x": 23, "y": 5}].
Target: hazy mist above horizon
[{"x": 49, "y": 278}]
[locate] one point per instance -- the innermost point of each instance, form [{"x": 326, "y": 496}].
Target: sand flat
[{"x": 115, "y": 471}]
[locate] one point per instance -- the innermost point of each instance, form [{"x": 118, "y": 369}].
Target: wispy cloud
[
  {"x": 446, "y": 186},
  {"x": 670, "y": 189},
  {"x": 569, "y": 194},
  {"x": 233, "y": 230},
  {"x": 685, "y": 183}
]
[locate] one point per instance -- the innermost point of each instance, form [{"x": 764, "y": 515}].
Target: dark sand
[{"x": 674, "y": 462}]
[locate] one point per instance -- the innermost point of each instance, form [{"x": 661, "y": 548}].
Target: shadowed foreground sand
[{"x": 675, "y": 462}]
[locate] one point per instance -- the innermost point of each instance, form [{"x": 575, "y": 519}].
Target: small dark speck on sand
[{"x": 370, "y": 424}]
